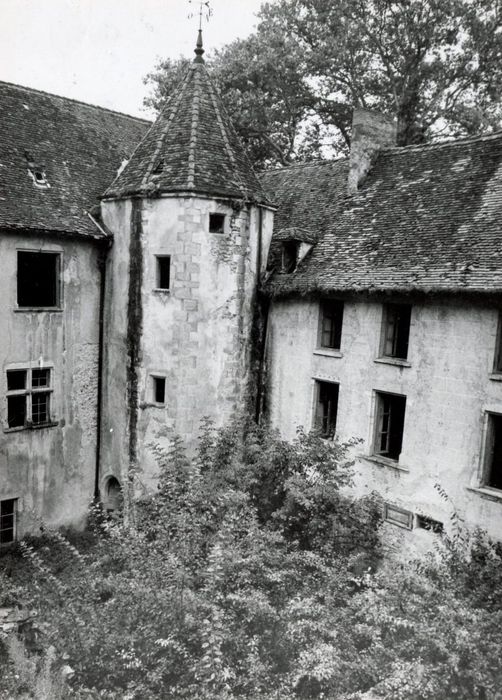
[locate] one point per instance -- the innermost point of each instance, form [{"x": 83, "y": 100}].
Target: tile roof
[
  {"x": 426, "y": 219},
  {"x": 191, "y": 148},
  {"x": 80, "y": 146}
]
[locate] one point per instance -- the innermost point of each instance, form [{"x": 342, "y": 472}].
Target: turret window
[
  {"x": 163, "y": 272},
  {"x": 216, "y": 223}
]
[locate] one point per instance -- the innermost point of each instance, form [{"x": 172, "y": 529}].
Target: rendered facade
[{"x": 151, "y": 279}]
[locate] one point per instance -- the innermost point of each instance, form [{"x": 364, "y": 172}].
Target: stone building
[{"x": 134, "y": 255}]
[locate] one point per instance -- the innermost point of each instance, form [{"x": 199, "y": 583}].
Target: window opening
[
  {"x": 288, "y": 258},
  {"x": 326, "y": 408},
  {"x": 28, "y": 397},
  {"x": 331, "y": 324},
  {"x": 398, "y": 516},
  {"x": 159, "y": 389},
  {"x": 216, "y": 223},
  {"x": 396, "y": 330},
  {"x": 389, "y": 425},
  {"x": 7, "y": 521},
  {"x": 37, "y": 279},
  {"x": 163, "y": 272},
  {"x": 497, "y": 363},
  {"x": 423, "y": 521},
  {"x": 113, "y": 495},
  {"x": 493, "y": 462}
]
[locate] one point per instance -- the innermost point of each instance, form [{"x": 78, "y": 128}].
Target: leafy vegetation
[
  {"x": 291, "y": 85},
  {"x": 250, "y": 573}
]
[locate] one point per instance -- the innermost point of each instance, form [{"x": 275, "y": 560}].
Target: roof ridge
[
  {"x": 302, "y": 164},
  {"x": 443, "y": 144},
  {"x": 72, "y": 99},
  {"x": 194, "y": 126}
]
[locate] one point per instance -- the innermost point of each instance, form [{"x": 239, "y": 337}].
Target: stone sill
[
  {"x": 52, "y": 424},
  {"x": 38, "y": 309},
  {"x": 159, "y": 290},
  {"x": 486, "y": 492},
  {"x": 151, "y": 404},
  {"x": 385, "y": 462},
  {"x": 327, "y": 352},
  {"x": 392, "y": 361},
  {"x": 495, "y": 376}
]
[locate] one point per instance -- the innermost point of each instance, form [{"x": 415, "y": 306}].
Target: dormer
[{"x": 289, "y": 247}]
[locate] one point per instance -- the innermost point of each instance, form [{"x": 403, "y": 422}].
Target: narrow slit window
[
  {"x": 389, "y": 425},
  {"x": 396, "y": 330},
  {"x": 497, "y": 363},
  {"x": 493, "y": 460},
  {"x": 8, "y": 521},
  {"x": 331, "y": 321},
  {"x": 38, "y": 279},
  {"x": 326, "y": 408},
  {"x": 159, "y": 390},
  {"x": 216, "y": 223},
  {"x": 163, "y": 280}
]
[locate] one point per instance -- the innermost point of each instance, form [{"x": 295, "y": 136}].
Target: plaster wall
[
  {"x": 50, "y": 470},
  {"x": 197, "y": 334},
  {"x": 448, "y": 387}
]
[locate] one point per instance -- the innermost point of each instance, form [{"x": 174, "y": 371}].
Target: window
[
  {"x": 426, "y": 523},
  {"x": 113, "y": 500},
  {"x": 159, "y": 389},
  {"x": 396, "y": 331},
  {"x": 326, "y": 408},
  {"x": 330, "y": 327},
  {"x": 288, "y": 256},
  {"x": 398, "y": 516},
  {"x": 28, "y": 397},
  {"x": 163, "y": 273},
  {"x": 497, "y": 362},
  {"x": 8, "y": 521},
  {"x": 38, "y": 279},
  {"x": 493, "y": 453},
  {"x": 216, "y": 223},
  {"x": 389, "y": 425}
]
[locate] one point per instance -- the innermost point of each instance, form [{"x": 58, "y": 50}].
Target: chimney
[{"x": 371, "y": 132}]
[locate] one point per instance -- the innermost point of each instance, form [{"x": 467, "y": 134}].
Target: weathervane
[{"x": 202, "y": 4}]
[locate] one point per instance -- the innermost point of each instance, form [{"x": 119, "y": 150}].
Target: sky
[{"x": 98, "y": 51}]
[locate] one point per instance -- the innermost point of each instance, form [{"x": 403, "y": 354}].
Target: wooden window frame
[
  {"x": 330, "y": 324},
  {"x": 3, "y": 516},
  {"x": 325, "y": 422},
  {"x": 488, "y": 451},
  {"x": 384, "y": 422},
  {"x": 28, "y": 392},
  {"x": 393, "y": 328}
]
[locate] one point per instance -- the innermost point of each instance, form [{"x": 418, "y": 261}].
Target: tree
[{"x": 290, "y": 87}]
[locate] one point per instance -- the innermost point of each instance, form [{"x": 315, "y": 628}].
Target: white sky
[{"x": 98, "y": 51}]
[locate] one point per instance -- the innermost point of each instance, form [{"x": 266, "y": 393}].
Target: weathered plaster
[{"x": 447, "y": 385}]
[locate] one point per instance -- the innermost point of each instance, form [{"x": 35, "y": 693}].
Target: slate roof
[
  {"x": 426, "y": 219},
  {"x": 80, "y": 146},
  {"x": 191, "y": 148}
]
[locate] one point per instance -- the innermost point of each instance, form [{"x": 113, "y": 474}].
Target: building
[{"x": 134, "y": 256}]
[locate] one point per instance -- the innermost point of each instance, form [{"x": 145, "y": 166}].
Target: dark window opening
[
  {"x": 16, "y": 379},
  {"x": 289, "y": 253},
  {"x": 493, "y": 470},
  {"x": 16, "y": 411},
  {"x": 37, "y": 279},
  {"x": 159, "y": 166},
  {"x": 7, "y": 521},
  {"x": 159, "y": 389},
  {"x": 113, "y": 496},
  {"x": 216, "y": 223},
  {"x": 390, "y": 425},
  {"x": 163, "y": 271},
  {"x": 427, "y": 523},
  {"x": 497, "y": 364},
  {"x": 396, "y": 330},
  {"x": 331, "y": 324},
  {"x": 326, "y": 408}
]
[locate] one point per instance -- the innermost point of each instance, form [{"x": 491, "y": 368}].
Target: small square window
[
  {"x": 28, "y": 397},
  {"x": 493, "y": 453},
  {"x": 330, "y": 326},
  {"x": 8, "y": 516},
  {"x": 38, "y": 279},
  {"x": 326, "y": 408},
  {"x": 216, "y": 223},
  {"x": 389, "y": 425},
  {"x": 163, "y": 280},
  {"x": 159, "y": 389},
  {"x": 396, "y": 331}
]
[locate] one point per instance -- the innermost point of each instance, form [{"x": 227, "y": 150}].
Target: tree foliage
[{"x": 436, "y": 65}]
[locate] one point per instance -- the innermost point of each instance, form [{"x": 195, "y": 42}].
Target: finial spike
[{"x": 199, "y": 49}]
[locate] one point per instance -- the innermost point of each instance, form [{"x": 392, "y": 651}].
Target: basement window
[
  {"x": 8, "y": 518},
  {"x": 390, "y": 410},
  {"x": 326, "y": 408},
  {"x": 493, "y": 452},
  {"x": 395, "y": 331},
  {"x": 426, "y": 523},
  {"x": 28, "y": 397},
  {"x": 216, "y": 223},
  {"x": 330, "y": 326},
  {"x": 163, "y": 272},
  {"x": 38, "y": 279},
  {"x": 398, "y": 516},
  {"x": 159, "y": 390}
]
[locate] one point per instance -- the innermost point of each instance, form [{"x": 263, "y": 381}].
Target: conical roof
[{"x": 192, "y": 147}]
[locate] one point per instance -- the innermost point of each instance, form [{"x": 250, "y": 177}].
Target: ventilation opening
[{"x": 216, "y": 223}]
